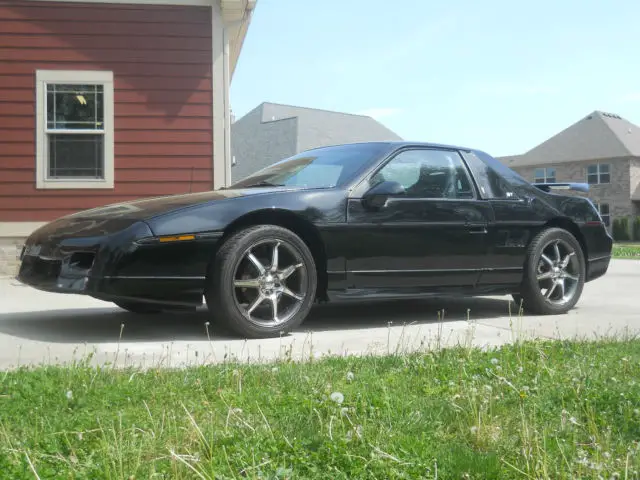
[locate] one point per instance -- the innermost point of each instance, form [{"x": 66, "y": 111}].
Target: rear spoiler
[{"x": 547, "y": 187}]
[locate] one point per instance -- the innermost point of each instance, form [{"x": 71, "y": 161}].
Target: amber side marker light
[{"x": 176, "y": 238}]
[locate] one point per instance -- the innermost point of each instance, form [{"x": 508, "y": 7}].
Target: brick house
[
  {"x": 601, "y": 149},
  {"x": 272, "y": 131},
  {"x": 104, "y": 101}
]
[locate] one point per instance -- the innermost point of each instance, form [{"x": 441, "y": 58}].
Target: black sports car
[{"x": 363, "y": 220}]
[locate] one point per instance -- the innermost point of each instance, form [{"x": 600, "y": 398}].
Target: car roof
[{"x": 403, "y": 143}]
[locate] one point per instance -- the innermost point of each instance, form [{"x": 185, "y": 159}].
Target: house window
[
  {"x": 544, "y": 175},
  {"x": 598, "y": 173},
  {"x": 74, "y": 129},
  {"x": 603, "y": 209}
]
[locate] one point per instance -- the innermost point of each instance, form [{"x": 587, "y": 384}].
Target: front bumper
[
  {"x": 69, "y": 255},
  {"x": 55, "y": 274},
  {"x": 129, "y": 263}
]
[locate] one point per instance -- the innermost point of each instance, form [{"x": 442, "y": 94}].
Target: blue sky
[{"x": 497, "y": 75}]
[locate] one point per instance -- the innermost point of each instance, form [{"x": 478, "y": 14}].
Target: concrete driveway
[{"x": 39, "y": 327}]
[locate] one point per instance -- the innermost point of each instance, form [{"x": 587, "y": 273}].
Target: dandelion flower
[
  {"x": 495, "y": 361},
  {"x": 274, "y": 370},
  {"x": 69, "y": 395},
  {"x": 350, "y": 376},
  {"x": 337, "y": 397},
  {"x": 474, "y": 430}
]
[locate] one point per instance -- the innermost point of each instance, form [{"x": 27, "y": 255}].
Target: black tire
[
  {"x": 533, "y": 300},
  {"x": 220, "y": 293},
  {"x": 139, "y": 307}
]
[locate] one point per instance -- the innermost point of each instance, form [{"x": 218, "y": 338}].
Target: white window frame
[
  {"x": 545, "y": 176},
  {"x": 608, "y": 215},
  {"x": 599, "y": 173},
  {"x": 82, "y": 77}
]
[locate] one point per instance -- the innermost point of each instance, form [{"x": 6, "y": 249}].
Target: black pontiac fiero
[{"x": 364, "y": 220}]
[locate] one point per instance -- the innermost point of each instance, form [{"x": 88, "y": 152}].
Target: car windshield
[{"x": 324, "y": 167}]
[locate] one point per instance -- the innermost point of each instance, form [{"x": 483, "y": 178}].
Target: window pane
[
  {"x": 604, "y": 209},
  {"x": 76, "y": 156},
  {"x": 591, "y": 169},
  {"x": 539, "y": 174},
  {"x": 604, "y": 168},
  {"x": 605, "y": 178},
  {"x": 75, "y": 107},
  {"x": 592, "y": 179},
  {"x": 428, "y": 174}
]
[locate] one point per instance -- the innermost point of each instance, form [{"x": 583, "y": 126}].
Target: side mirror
[{"x": 377, "y": 196}]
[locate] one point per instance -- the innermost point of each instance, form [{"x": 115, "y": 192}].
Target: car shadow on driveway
[{"x": 103, "y": 325}]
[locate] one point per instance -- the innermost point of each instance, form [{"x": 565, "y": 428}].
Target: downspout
[{"x": 226, "y": 83}]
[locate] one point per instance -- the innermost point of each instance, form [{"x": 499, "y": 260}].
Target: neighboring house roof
[
  {"x": 317, "y": 127},
  {"x": 272, "y": 131},
  {"x": 598, "y": 135}
]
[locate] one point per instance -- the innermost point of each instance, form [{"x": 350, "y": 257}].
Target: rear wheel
[
  {"x": 554, "y": 273},
  {"x": 263, "y": 282}
]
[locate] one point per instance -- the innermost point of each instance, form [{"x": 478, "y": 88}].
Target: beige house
[{"x": 601, "y": 149}]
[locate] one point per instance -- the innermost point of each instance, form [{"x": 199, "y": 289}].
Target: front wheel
[
  {"x": 554, "y": 273},
  {"x": 263, "y": 282}
]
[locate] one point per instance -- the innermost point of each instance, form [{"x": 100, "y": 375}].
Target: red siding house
[{"x": 103, "y": 101}]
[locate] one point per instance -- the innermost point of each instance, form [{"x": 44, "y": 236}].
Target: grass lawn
[
  {"x": 626, "y": 250},
  {"x": 534, "y": 410}
]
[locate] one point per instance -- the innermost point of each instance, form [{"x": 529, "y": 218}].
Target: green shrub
[
  {"x": 621, "y": 229},
  {"x": 636, "y": 228}
]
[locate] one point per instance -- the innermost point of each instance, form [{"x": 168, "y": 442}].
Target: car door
[{"x": 432, "y": 235}]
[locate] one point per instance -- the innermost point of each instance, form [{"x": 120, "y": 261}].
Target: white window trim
[
  {"x": 599, "y": 173},
  {"x": 608, "y": 215},
  {"x": 545, "y": 178},
  {"x": 104, "y": 78}
]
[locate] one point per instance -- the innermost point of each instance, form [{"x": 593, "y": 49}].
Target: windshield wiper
[{"x": 264, "y": 183}]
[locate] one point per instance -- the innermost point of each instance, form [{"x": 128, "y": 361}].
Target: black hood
[{"x": 150, "y": 207}]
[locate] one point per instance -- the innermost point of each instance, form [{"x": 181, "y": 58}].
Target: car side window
[{"x": 428, "y": 173}]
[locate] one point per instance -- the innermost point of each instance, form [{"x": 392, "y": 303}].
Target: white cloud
[{"x": 380, "y": 113}]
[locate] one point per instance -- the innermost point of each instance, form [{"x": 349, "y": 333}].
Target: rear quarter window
[{"x": 492, "y": 184}]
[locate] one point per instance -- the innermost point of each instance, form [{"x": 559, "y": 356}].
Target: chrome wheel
[
  {"x": 270, "y": 282},
  {"x": 558, "y": 272}
]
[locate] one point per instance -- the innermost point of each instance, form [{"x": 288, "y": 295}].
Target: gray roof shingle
[
  {"x": 325, "y": 127},
  {"x": 598, "y": 135}
]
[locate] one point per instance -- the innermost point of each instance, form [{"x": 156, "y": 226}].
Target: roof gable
[
  {"x": 326, "y": 127},
  {"x": 598, "y": 135}
]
